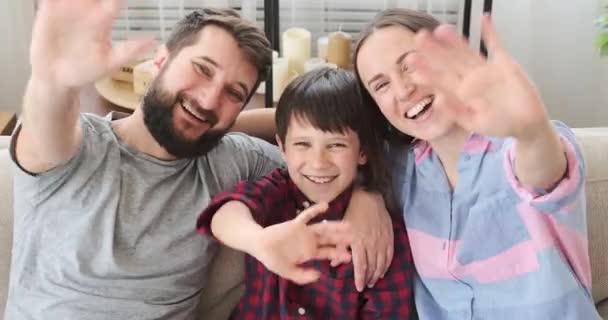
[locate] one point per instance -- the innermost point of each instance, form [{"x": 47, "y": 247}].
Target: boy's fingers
[
  {"x": 332, "y": 253},
  {"x": 303, "y": 276},
  {"x": 332, "y": 233},
  {"x": 308, "y": 214},
  {"x": 345, "y": 253}
]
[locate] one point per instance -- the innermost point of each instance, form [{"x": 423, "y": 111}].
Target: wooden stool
[{"x": 7, "y": 122}]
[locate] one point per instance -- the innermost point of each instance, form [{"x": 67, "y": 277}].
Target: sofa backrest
[
  {"x": 6, "y": 219},
  {"x": 594, "y": 143},
  {"x": 223, "y": 292}
]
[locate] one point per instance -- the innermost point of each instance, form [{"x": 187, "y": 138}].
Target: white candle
[
  {"x": 296, "y": 48},
  {"x": 338, "y": 49},
  {"x": 279, "y": 77},
  {"x": 322, "y": 48}
]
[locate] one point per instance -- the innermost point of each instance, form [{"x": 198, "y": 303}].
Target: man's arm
[
  {"x": 49, "y": 133},
  {"x": 373, "y": 242},
  {"x": 257, "y": 123},
  {"x": 71, "y": 48}
]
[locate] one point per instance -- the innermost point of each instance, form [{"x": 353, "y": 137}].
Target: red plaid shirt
[{"x": 275, "y": 199}]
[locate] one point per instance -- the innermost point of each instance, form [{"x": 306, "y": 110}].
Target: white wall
[
  {"x": 553, "y": 40},
  {"x": 15, "y": 28}
]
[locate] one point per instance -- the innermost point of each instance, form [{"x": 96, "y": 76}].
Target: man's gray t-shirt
[{"x": 111, "y": 234}]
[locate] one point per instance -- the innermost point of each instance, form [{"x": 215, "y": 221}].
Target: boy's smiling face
[{"x": 321, "y": 164}]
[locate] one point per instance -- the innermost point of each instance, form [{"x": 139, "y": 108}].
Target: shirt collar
[{"x": 474, "y": 143}]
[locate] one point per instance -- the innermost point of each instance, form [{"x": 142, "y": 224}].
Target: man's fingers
[
  {"x": 129, "y": 51},
  {"x": 360, "y": 265},
  {"x": 390, "y": 251},
  {"x": 308, "y": 214},
  {"x": 372, "y": 263},
  {"x": 379, "y": 270}
]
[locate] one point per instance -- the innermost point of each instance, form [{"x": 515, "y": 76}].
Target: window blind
[
  {"x": 157, "y": 17},
  {"x": 321, "y": 17}
]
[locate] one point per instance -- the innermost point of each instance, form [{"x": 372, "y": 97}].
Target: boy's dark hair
[
  {"x": 405, "y": 18},
  {"x": 330, "y": 100},
  {"x": 248, "y": 36}
]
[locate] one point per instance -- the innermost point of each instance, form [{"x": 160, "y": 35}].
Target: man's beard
[{"x": 158, "y": 106}]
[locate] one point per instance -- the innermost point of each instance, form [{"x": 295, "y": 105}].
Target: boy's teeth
[
  {"x": 418, "y": 107},
  {"x": 320, "y": 179}
]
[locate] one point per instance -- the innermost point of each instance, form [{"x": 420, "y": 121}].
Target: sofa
[{"x": 226, "y": 273}]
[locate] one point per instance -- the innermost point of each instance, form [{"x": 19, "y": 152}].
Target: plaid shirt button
[
  {"x": 306, "y": 204},
  {"x": 301, "y": 311}
]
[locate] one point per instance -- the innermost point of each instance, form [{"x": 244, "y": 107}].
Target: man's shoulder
[
  {"x": 240, "y": 145},
  {"x": 236, "y": 141}
]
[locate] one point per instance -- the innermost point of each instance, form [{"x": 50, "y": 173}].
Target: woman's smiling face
[{"x": 414, "y": 109}]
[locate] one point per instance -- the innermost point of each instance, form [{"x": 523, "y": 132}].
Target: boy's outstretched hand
[
  {"x": 283, "y": 247},
  {"x": 492, "y": 97}
]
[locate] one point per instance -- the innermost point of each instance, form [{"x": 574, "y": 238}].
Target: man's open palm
[{"x": 72, "y": 42}]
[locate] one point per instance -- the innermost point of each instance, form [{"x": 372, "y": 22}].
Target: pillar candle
[
  {"x": 322, "y": 48},
  {"x": 338, "y": 49},
  {"x": 296, "y": 48},
  {"x": 279, "y": 77}
]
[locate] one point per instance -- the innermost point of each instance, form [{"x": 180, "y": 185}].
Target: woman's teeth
[
  {"x": 320, "y": 180},
  {"x": 419, "y": 108},
  {"x": 193, "y": 112}
]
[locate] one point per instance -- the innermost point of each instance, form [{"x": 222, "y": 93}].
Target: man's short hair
[{"x": 249, "y": 37}]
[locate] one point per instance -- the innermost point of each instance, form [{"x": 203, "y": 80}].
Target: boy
[{"x": 329, "y": 145}]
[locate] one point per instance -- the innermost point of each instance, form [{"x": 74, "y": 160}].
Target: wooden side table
[{"x": 7, "y": 122}]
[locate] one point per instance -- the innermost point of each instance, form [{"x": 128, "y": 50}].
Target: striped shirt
[{"x": 490, "y": 248}]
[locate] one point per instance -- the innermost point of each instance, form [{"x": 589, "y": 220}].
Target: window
[
  {"x": 158, "y": 17},
  {"x": 321, "y": 17}
]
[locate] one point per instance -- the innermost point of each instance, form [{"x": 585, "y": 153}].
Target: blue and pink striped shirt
[{"x": 489, "y": 248}]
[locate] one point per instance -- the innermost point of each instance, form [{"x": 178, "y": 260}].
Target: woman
[{"x": 491, "y": 190}]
